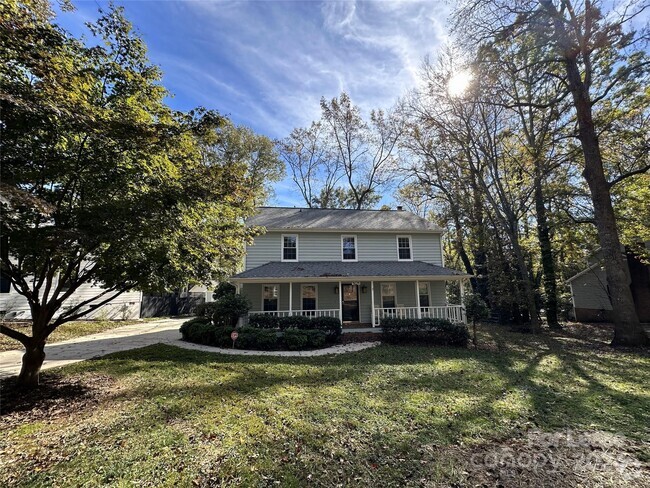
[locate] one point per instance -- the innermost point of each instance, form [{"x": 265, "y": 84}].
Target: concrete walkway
[{"x": 164, "y": 331}]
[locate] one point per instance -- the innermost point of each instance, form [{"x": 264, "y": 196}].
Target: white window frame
[
  {"x": 282, "y": 248},
  {"x": 381, "y": 292},
  {"x": 302, "y": 286},
  {"x": 262, "y": 303},
  {"x": 356, "y": 248},
  {"x": 397, "y": 238},
  {"x": 428, "y": 292}
]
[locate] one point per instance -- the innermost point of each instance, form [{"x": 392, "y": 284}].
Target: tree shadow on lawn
[{"x": 391, "y": 412}]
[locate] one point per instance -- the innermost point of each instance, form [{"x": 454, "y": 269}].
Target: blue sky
[{"x": 266, "y": 64}]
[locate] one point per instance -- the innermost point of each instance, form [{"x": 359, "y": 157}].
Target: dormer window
[
  {"x": 404, "y": 248},
  {"x": 289, "y": 247},
  {"x": 349, "y": 248}
]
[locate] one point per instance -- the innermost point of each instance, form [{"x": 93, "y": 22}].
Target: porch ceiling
[{"x": 359, "y": 271}]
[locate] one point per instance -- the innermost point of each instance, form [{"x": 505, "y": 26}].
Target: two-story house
[{"x": 357, "y": 265}]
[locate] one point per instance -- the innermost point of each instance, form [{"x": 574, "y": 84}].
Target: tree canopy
[{"x": 103, "y": 182}]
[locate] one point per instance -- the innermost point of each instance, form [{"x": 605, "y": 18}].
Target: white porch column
[
  {"x": 290, "y": 298},
  {"x": 372, "y": 301},
  {"x": 417, "y": 297},
  {"x": 341, "y": 302}
]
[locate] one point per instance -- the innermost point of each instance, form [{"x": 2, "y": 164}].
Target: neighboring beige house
[
  {"x": 357, "y": 265},
  {"x": 590, "y": 293}
]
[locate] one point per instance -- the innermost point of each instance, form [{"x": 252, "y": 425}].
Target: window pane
[
  {"x": 308, "y": 303},
  {"x": 289, "y": 253},
  {"x": 309, "y": 291},
  {"x": 404, "y": 247},
  {"x": 270, "y": 291},
  {"x": 290, "y": 248},
  {"x": 388, "y": 295},
  {"x": 270, "y": 305},
  {"x": 388, "y": 289},
  {"x": 349, "y": 248}
]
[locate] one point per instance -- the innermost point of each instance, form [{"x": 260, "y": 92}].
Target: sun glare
[{"x": 459, "y": 82}]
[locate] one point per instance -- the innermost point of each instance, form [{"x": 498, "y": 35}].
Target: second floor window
[
  {"x": 349, "y": 248},
  {"x": 404, "y": 248},
  {"x": 289, "y": 248}
]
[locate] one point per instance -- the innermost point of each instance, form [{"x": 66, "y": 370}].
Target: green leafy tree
[{"x": 102, "y": 182}]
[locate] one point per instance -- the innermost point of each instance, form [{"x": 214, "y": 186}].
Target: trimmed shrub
[
  {"x": 229, "y": 308},
  {"x": 297, "y": 339},
  {"x": 263, "y": 321},
  {"x": 295, "y": 322},
  {"x": 206, "y": 333},
  {"x": 331, "y": 326},
  {"x": 188, "y": 324},
  {"x": 429, "y": 331},
  {"x": 259, "y": 339}
]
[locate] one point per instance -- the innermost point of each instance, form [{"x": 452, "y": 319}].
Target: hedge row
[
  {"x": 200, "y": 331},
  {"x": 330, "y": 325},
  {"x": 429, "y": 331}
]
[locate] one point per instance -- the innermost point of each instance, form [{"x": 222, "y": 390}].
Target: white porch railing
[
  {"x": 334, "y": 312},
  {"x": 453, "y": 313}
]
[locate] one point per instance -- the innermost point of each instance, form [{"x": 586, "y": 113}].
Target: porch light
[
  {"x": 336, "y": 289},
  {"x": 364, "y": 288}
]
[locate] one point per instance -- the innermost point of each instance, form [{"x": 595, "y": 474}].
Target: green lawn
[
  {"x": 388, "y": 416},
  {"x": 69, "y": 330}
]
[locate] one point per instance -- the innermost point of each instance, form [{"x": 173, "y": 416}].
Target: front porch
[{"x": 355, "y": 303}]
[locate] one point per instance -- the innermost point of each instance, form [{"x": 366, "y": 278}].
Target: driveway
[{"x": 74, "y": 350}]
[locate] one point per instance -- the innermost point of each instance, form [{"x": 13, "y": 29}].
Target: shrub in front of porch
[
  {"x": 201, "y": 331},
  {"x": 429, "y": 331},
  {"x": 330, "y": 326}
]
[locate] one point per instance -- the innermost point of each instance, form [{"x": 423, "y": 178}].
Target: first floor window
[
  {"x": 388, "y": 295},
  {"x": 423, "y": 290},
  {"x": 270, "y": 298},
  {"x": 309, "y": 297},
  {"x": 289, "y": 248}
]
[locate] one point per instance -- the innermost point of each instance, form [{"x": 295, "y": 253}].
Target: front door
[{"x": 350, "y": 303}]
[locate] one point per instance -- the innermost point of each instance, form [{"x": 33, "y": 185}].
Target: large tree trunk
[
  {"x": 529, "y": 292},
  {"x": 32, "y": 363},
  {"x": 548, "y": 263},
  {"x": 35, "y": 348},
  {"x": 627, "y": 328}
]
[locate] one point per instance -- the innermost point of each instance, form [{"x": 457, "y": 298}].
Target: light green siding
[{"x": 326, "y": 246}]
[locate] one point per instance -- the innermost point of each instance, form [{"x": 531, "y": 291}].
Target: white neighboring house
[{"x": 126, "y": 306}]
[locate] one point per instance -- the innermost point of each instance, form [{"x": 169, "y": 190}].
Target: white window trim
[
  {"x": 315, "y": 285},
  {"x": 356, "y": 248},
  {"x": 428, "y": 290},
  {"x": 282, "y": 248},
  {"x": 397, "y": 238},
  {"x": 262, "y": 303},
  {"x": 381, "y": 292}
]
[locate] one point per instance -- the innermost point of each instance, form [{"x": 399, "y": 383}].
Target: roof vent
[{"x": 400, "y": 208}]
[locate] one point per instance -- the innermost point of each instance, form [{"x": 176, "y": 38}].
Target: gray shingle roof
[
  {"x": 333, "y": 269},
  {"x": 339, "y": 219}
]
